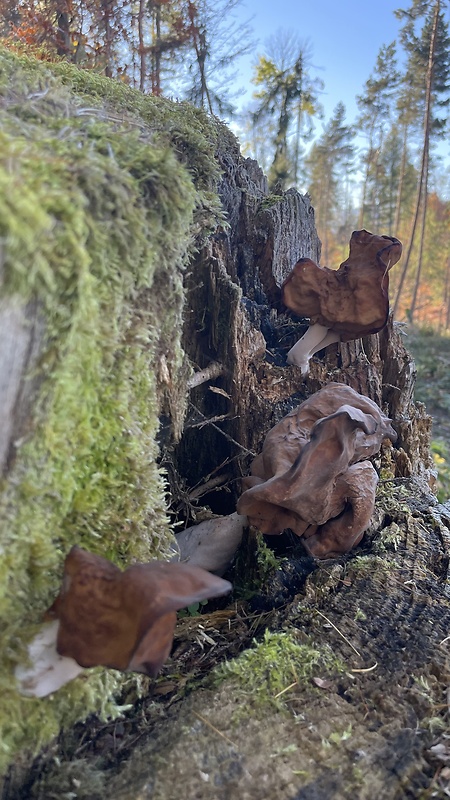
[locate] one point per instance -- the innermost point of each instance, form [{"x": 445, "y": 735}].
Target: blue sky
[{"x": 345, "y": 37}]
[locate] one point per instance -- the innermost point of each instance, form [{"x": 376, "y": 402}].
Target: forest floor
[{"x": 431, "y": 353}]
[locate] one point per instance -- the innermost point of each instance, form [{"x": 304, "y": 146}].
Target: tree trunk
[
  {"x": 421, "y": 245},
  {"x": 64, "y": 46},
  {"x": 298, "y": 136},
  {"x": 107, "y": 22},
  {"x": 363, "y": 198},
  {"x": 156, "y": 51},
  {"x": 142, "y": 51},
  {"x": 398, "y": 207},
  {"x": 383, "y": 611},
  {"x": 425, "y": 152},
  {"x": 447, "y": 295}
]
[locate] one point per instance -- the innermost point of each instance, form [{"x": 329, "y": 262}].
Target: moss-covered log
[{"x": 104, "y": 196}]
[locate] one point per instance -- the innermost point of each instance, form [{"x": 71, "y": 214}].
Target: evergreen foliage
[
  {"x": 330, "y": 156},
  {"x": 287, "y": 94},
  {"x": 385, "y": 185}
]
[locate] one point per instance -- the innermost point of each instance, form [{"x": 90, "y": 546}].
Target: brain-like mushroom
[
  {"x": 342, "y": 304},
  {"x": 312, "y": 475},
  {"x": 124, "y": 620}
]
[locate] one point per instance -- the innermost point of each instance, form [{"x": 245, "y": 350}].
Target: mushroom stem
[
  {"x": 316, "y": 338},
  {"x": 47, "y": 670}
]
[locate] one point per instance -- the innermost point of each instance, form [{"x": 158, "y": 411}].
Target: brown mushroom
[
  {"x": 304, "y": 478},
  {"x": 286, "y": 439},
  {"x": 124, "y": 620},
  {"x": 342, "y": 304},
  {"x": 356, "y": 488}
]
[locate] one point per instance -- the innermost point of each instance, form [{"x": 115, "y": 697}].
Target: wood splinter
[{"x": 213, "y": 370}]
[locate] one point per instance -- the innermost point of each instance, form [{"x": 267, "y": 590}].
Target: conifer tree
[
  {"x": 287, "y": 94},
  {"x": 329, "y": 162},
  {"x": 376, "y": 106}
]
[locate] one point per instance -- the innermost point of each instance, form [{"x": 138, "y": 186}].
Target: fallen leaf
[{"x": 323, "y": 683}]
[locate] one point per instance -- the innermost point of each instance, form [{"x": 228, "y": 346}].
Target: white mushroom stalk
[
  {"x": 46, "y": 670},
  {"x": 316, "y": 338}
]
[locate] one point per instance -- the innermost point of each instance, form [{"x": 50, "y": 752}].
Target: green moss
[
  {"x": 266, "y": 560},
  {"x": 255, "y": 567},
  {"x": 267, "y": 673},
  {"x": 388, "y": 538},
  {"x": 80, "y": 779},
  {"x": 270, "y": 200},
  {"x": 104, "y": 194},
  {"x": 391, "y": 497},
  {"x": 337, "y": 737},
  {"x": 371, "y": 566}
]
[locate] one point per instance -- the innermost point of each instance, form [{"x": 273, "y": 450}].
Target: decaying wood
[
  {"x": 371, "y": 731},
  {"x": 213, "y": 370},
  {"x": 234, "y": 319},
  {"x": 404, "y": 608}
]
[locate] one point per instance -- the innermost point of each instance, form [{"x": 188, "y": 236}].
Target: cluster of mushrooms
[{"x": 312, "y": 476}]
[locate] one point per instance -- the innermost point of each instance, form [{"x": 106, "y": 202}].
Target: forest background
[{"x": 386, "y": 170}]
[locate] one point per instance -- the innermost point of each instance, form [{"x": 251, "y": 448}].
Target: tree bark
[
  {"x": 421, "y": 244},
  {"x": 401, "y": 179},
  {"x": 142, "y": 50}
]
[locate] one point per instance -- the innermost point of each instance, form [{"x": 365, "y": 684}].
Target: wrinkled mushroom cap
[
  {"x": 305, "y": 478},
  {"x": 341, "y": 533},
  {"x": 369, "y": 247},
  {"x": 353, "y": 300},
  {"x": 288, "y": 437},
  {"x": 125, "y": 620}
]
